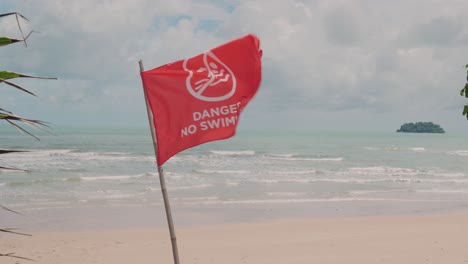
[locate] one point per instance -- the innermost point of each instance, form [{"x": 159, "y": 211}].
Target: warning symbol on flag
[{"x": 209, "y": 78}]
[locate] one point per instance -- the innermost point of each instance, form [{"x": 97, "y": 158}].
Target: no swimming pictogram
[{"x": 209, "y": 78}]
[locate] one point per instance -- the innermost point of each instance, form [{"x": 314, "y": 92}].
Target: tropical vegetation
[
  {"x": 464, "y": 92},
  {"x": 421, "y": 127},
  {"x": 12, "y": 119}
]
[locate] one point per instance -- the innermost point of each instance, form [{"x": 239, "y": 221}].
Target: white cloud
[{"x": 388, "y": 58}]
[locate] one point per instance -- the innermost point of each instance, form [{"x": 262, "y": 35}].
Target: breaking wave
[{"x": 233, "y": 153}]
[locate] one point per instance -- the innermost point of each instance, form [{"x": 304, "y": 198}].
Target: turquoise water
[{"x": 108, "y": 168}]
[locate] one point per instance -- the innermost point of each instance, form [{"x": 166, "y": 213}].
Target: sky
[{"x": 328, "y": 65}]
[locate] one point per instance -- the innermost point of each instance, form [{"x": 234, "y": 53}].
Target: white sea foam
[
  {"x": 448, "y": 175},
  {"x": 112, "y": 178},
  {"x": 381, "y": 169},
  {"x": 49, "y": 151},
  {"x": 292, "y": 172},
  {"x": 417, "y": 149},
  {"x": 309, "y": 200},
  {"x": 394, "y": 148},
  {"x": 367, "y": 192},
  {"x": 200, "y": 186},
  {"x": 208, "y": 198},
  {"x": 360, "y": 180},
  {"x": 311, "y": 159},
  {"x": 285, "y": 180},
  {"x": 223, "y": 171},
  {"x": 285, "y": 194},
  {"x": 370, "y": 148},
  {"x": 233, "y": 153},
  {"x": 89, "y": 156},
  {"x": 153, "y": 189},
  {"x": 442, "y": 191},
  {"x": 11, "y": 171},
  {"x": 289, "y": 155},
  {"x": 459, "y": 152},
  {"x": 122, "y": 196}
]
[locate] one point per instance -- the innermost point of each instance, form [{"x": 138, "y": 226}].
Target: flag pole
[{"x": 162, "y": 181}]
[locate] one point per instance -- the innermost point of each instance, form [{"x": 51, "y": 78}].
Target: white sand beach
[{"x": 380, "y": 239}]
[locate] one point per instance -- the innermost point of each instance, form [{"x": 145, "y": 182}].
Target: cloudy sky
[{"x": 328, "y": 64}]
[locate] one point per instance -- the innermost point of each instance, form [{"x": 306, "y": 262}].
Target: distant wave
[
  {"x": 42, "y": 181},
  {"x": 292, "y": 172},
  {"x": 442, "y": 191},
  {"x": 289, "y": 155},
  {"x": 367, "y": 192},
  {"x": 381, "y": 169},
  {"x": 190, "y": 199},
  {"x": 200, "y": 186},
  {"x": 112, "y": 177},
  {"x": 285, "y": 194},
  {"x": 311, "y": 159},
  {"x": 11, "y": 171},
  {"x": 109, "y": 156},
  {"x": 397, "y": 171},
  {"x": 233, "y": 153},
  {"x": 358, "y": 180},
  {"x": 40, "y": 152},
  {"x": 449, "y": 175},
  {"x": 308, "y": 200},
  {"x": 417, "y": 149},
  {"x": 459, "y": 152},
  {"x": 395, "y": 148},
  {"x": 223, "y": 171}
]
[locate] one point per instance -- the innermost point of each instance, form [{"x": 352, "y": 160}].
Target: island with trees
[{"x": 421, "y": 127}]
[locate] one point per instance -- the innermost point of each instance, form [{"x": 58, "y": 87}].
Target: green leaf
[
  {"x": 17, "y": 16},
  {"x": 5, "y": 75},
  {"x": 7, "y": 41},
  {"x": 464, "y": 91},
  {"x": 465, "y": 110}
]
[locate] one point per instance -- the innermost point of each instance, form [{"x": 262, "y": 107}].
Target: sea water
[{"x": 109, "y": 168}]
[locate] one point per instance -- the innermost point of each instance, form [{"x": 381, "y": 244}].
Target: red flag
[{"x": 198, "y": 100}]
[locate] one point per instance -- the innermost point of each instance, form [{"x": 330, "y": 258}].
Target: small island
[{"x": 421, "y": 127}]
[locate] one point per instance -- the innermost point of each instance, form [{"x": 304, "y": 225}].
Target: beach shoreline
[{"x": 428, "y": 238}]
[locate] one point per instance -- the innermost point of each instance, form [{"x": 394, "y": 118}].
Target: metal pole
[{"x": 162, "y": 181}]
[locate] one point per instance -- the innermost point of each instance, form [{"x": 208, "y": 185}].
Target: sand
[{"x": 380, "y": 239}]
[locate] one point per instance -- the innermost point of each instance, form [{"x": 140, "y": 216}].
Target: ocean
[{"x": 270, "y": 174}]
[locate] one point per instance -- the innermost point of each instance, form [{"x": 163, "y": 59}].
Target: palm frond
[
  {"x": 6, "y": 151},
  {"x": 14, "y": 13},
  {"x": 16, "y": 86},
  {"x": 7, "y": 41},
  {"x": 5, "y": 75},
  {"x": 36, "y": 124},
  {"x": 18, "y": 15},
  {"x": 12, "y": 169},
  {"x": 12, "y": 255},
  {"x": 8, "y": 209},
  {"x": 11, "y": 231}
]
